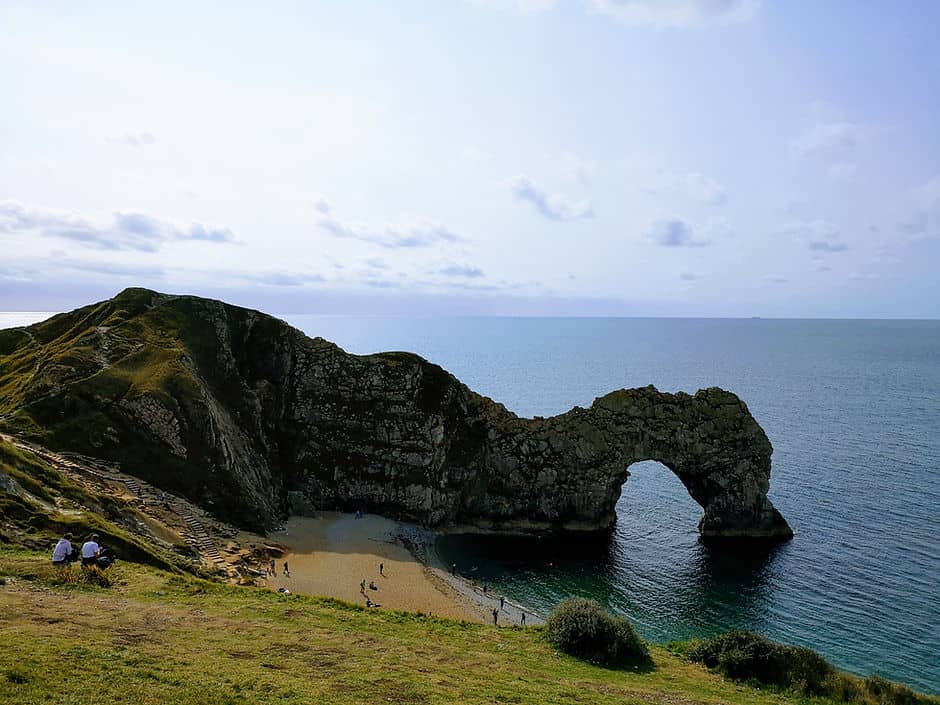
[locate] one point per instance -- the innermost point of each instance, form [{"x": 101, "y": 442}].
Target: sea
[{"x": 852, "y": 408}]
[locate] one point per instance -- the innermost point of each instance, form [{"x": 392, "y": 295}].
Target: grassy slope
[
  {"x": 162, "y": 638},
  {"x": 149, "y": 353},
  {"x": 48, "y": 504}
]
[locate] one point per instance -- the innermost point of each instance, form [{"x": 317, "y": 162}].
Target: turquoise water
[{"x": 853, "y": 411}]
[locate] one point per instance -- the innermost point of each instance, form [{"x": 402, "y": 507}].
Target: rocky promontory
[{"x": 248, "y": 416}]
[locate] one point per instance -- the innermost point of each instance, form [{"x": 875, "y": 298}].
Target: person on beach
[
  {"x": 502, "y": 601},
  {"x": 522, "y": 622},
  {"x": 495, "y": 615},
  {"x": 453, "y": 569},
  {"x": 362, "y": 586},
  {"x": 272, "y": 569},
  {"x": 372, "y": 585},
  {"x": 484, "y": 589},
  {"x": 286, "y": 570},
  {"x": 382, "y": 569},
  {"x": 64, "y": 552}
]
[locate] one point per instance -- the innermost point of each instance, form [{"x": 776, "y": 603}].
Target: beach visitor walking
[
  {"x": 502, "y": 601},
  {"x": 286, "y": 570},
  {"x": 523, "y": 619},
  {"x": 453, "y": 569},
  {"x": 272, "y": 569},
  {"x": 382, "y": 569},
  {"x": 495, "y": 615},
  {"x": 362, "y": 586}
]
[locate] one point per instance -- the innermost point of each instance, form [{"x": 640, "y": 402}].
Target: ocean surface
[{"x": 853, "y": 411}]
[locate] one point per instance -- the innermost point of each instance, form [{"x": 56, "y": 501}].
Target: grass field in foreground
[{"x": 156, "y": 637}]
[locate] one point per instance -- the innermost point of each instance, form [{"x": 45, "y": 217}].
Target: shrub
[
  {"x": 76, "y": 576},
  {"x": 747, "y": 656},
  {"x": 743, "y": 655},
  {"x": 582, "y": 628},
  {"x": 884, "y": 692}
]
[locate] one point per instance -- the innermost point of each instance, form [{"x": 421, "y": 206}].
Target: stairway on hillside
[{"x": 194, "y": 534}]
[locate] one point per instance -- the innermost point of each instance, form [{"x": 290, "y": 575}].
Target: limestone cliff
[{"x": 238, "y": 411}]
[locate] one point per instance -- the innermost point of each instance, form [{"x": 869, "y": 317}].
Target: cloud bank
[
  {"x": 125, "y": 231},
  {"x": 819, "y": 235},
  {"x": 422, "y": 233},
  {"x": 550, "y": 206},
  {"x": 674, "y": 233}
]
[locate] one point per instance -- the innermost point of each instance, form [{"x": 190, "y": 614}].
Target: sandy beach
[{"x": 332, "y": 554}]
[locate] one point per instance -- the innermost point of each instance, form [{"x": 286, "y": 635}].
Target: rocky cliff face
[{"x": 237, "y": 410}]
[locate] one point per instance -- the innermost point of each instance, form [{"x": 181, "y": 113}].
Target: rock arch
[{"x": 573, "y": 466}]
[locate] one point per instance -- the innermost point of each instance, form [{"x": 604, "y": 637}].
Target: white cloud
[
  {"x": 421, "y": 233},
  {"x": 666, "y": 14},
  {"x": 832, "y": 142},
  {"x": 125, "y": 231},
  {"x": 819, "y": 235},
  {"x": 276, "y": 278},
  {"x": 674, "y": 232},
  {"x": 552, "y": 206},
  {"x": 461, "y": 270}
]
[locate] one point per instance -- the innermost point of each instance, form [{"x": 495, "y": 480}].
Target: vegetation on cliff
[
  {"x": 38, "y": 505},
  {"x": 582, "y": 628}
]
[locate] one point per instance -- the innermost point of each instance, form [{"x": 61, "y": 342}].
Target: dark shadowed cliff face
[{"x": 239, "y": 411}]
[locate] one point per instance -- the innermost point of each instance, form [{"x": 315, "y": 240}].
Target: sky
[{"x": 475, "y": 157}]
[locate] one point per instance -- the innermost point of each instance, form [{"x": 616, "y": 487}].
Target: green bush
[
  {"x": 746, "y": 656},
  {"x": 582, "y": 628},
  {"x": 884, "y": 692}
]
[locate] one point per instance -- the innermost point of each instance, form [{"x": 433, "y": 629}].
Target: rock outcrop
[{"x": 237, "y": 410}]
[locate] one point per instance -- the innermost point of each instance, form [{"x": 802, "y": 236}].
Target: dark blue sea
[{"x": 853, "y": 411}]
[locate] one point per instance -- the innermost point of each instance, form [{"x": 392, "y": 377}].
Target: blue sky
[{"x": 530, "y": 157}]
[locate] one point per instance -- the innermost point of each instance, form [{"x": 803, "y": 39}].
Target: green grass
[
  {"x": 51, "y": 504},
  {"x": 154, "y": 637},
  {"x": 158, "y": 638}
]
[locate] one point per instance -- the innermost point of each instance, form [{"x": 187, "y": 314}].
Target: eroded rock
[{"x": 240, "y": 411}]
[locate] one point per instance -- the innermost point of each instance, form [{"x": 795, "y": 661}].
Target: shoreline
[
  {"x": 421, "y": 543},
  {"x": 332, "y": 554}
]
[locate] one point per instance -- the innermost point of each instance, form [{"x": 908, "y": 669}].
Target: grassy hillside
[
  {"x": 38, "y": 504},
  {"x": 156, "y": 637}
]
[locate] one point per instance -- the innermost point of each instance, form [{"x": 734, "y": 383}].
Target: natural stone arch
[{"x": 573, "y": 466}]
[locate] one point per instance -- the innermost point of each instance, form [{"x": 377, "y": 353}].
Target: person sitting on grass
[
  {"x": 94, "y": 555},
  {"x": 64, "y": 553},
  {"x": 90, "y": 551}
]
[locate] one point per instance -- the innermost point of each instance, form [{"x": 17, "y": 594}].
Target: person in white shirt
[
  {"x": 90, "y": 550},
  {"x": 64, "y": 552}
]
